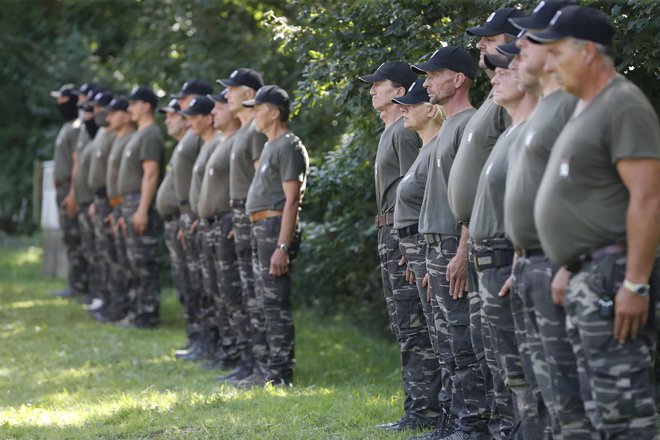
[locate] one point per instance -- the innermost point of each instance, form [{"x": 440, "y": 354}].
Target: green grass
[{"x": 65, "y": 376}]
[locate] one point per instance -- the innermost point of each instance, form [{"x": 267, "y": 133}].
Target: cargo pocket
[{"x": 409, "y": 312}]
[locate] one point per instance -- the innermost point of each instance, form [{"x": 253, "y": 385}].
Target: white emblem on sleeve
[{"x": 564, "y": 168}]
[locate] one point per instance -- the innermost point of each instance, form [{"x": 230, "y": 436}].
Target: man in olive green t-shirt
[
  {"x": 139, "y": 174},
  {"x": 122, "y": 283},
  {"x": 597, "y": 213},
  {"x": 542, "y": 328},
  {"x": 397, "y": 150},
  {"x": 273, "y": 205}
]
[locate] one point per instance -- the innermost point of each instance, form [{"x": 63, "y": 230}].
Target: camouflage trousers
[
  {"x": 213, "y": 318},
  {"x": 498, "y": 396},
  {"x": 467, "y": 376},
  {"x": 192, "y": 297},
  {"x": 88, "y": 248},
  {"x": 72, "y": 242},
  {"x": 104, "y": 246},
  {"x": 257, "y": 352},
  {"x": 553, "y": 363},
  {"x": 617, "y": 380},
  {"x": 439, "y": 368},
  {"x": 498, "y": 313},
  {"x": 229, "y": 298},
  {"x": 123, "y": 280},
  {"x": 179, "y": 269},
  {"x": 142, "y": 252},
  {"x": 407, "y": 320},
  {"x": 274, "y": 299}
]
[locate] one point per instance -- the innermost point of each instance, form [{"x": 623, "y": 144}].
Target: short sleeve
[
  {"x": 152, "y": 147},
  {"x": 292, "y": 162},
  {"x": 634, "y": 133},
  {"x": 257, "y": 142}
]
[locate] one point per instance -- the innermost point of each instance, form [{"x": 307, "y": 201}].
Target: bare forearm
[
  {"x": 289, "y": 220},
  {"x": 148, "y": 191},
  {"x": 643, "y": 234}
]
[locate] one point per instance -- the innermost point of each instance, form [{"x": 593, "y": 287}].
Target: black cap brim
[
  {"x": 407, "y": 100},
  {"x": 493, "y": 60},
  {"x": 508, "y": 49},
  {"x": 545, "y": 37},
  {"x": 482, "y": 31},
  {"x": 218, "y": 98},
  {"x": 426, "y": 67},
  {"x": 228, "y": 82},
  {"x": 178, "y": 95},
  {"x": 371, "y": 78},
  {"x": 525, "y": 23},
  {"x": 168, "y": 109}
]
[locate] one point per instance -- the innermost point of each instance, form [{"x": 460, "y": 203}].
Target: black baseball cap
[
  {"x": 102, "y": 98},
  {"x": 193, "y": 87},
  {"x": 144, "y": 94},
  {"x": 497, "y": 23},
  {"x": 449, "y": 58},
  {"x": 416, "y": 94},
  {"x": 83, "y": 89},
  {"x": 220, "y": 97},
  {"x": 270, "y": 94},
  {"x": 395, "y": 71},
  {"x": 243, "y": 77},
  {"x": 64, "y": 90},
  {"x": 541, "y": 14},
  {"x": 201, "y": 105},
  {"x": 578, "y": 22},
  {"x": 171, "y": 107},
  {"x": 118, "y": 104},
  {"x": 508, "y": 49},
  {"x": 493, "y": 60}
]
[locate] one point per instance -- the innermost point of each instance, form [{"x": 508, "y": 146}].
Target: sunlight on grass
[
  {"x": 30, "y": 303},
  {"x": 31, "y": 255}
]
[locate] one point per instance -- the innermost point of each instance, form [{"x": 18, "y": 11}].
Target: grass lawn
[{"x": 65, "y": 376}]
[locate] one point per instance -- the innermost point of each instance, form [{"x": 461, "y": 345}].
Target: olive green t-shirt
[
  {"x": 435, "y": 216},
  {"x": 146, "y": 144},
  {"x": 282, "y": 159},
  {"x": 65, "y": 145},
  {"x": 246, "y": 149},
  {"x": 198, "y": 170},
  {"x": 166, "y": 203},
  {"x": 527, "y": 164},
  {"x": 100, "y": 150},
  {"x": 114, "y": 160},
  {"x": 488, "y": 213},
  {"x": 410, "y": 191},
  {"x": 183, "y": 159},
  {"x": 479, "y": 136},
  {"x": 398, "y": 148},
  {"x": 84, "y": 157},
  {"x": 582, "y": 202},
  {"x": 214, "y": 195}
]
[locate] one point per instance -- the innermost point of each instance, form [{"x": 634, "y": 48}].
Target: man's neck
[
  {"x": 207, "y": 134},
  {"x": 456, "y": 104},
  {"x": 245, "y": 116},
  {"x": 598, "y": 78},
  {"x": 520, "y": 110},
  {"x": 549, "y": 85},
  {"x": 145, "y": 121},
  {"x": 126, "y": 129},
  {"x": 230, "y": 129},
  {"x": 275, "y": 131},
  {"x": 390, "y": 115}
]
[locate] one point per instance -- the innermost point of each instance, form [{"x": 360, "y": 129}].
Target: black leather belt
[
  {"x": 588, "y": 257},
  {"x": 529, "y": 253},
  {"x": 492, "y": 254},
  {"x": 408, "y": 231}
]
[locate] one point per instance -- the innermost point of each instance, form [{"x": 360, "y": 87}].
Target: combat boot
[
  {"x": 408, "y": 422},
  {"x": 445, "y": 427}
]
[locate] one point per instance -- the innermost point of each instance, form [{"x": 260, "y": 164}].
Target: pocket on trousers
[{"x": 409, "y": 311}]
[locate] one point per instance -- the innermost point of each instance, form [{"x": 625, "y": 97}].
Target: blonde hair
[{"x": 440, "y": 115}]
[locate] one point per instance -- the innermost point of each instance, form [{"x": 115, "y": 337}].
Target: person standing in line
[
  {"x": 242, "y": 85},
  {"x": 398, "y": 148},
  {"x": 273, "y": 205},
  {"x": 65, "y": 146},
  {"x": 542, "y": 329},
  {"x": 479, "y": 136},
  {"x": 596, "y": 213},
  {"x": 493, "y": 253},
  {"x": 99, "y": 209},
  {"x": 138, "y": 179},
  {"x": 450, "y": 72},
  {"x": 122, "y": 282},
  {"x": 216, "y": 218}
]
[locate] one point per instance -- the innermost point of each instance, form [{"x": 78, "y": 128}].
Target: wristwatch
[
  {"x": 639, "y": 289},
  {"x": 283, "y": 247}
]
